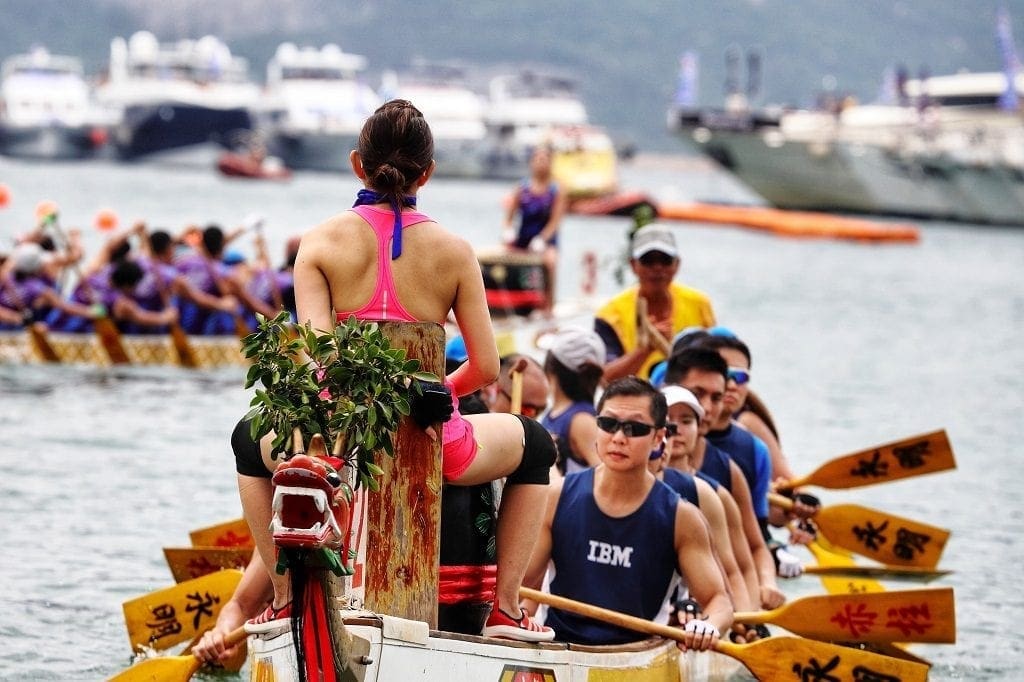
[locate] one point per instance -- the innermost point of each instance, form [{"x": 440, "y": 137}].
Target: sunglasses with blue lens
[
  {"x": 740, "y": 376},
  {"x": 630, "y": 429}
]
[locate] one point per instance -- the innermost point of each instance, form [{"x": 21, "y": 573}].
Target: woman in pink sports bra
[{"x": 382, "y": 260}]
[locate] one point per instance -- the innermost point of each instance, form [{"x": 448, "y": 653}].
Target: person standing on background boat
[
  {"x": 540, "y": 204},
  {"x": 382, "y": 260},
  {"x": 703, "y": 372},
  {"x": 574, "y": 365},
  {"x": 635, "y": 345},
  {"x": 618, "y": 538}
]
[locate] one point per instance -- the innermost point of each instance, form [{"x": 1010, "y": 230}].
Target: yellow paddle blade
[
  {"x": 924, "y": 454},
  {"x": 161, "y": 669},
  {"x": 176, "y": 614},
  {"x": 774, "y": 658},
  {"x": 793, "y": 658},
  {"x": 233, "y": 533},
  {"x": 187, "y": 563},
  {"x": 841, "y": 584},
  {"x": 172, "y": 668},
  {"x": 901, "y": 616},
  {"x": 884, "y": 537}
]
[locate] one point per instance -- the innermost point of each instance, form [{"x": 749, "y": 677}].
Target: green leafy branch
[{"x": 349, "y": 385}]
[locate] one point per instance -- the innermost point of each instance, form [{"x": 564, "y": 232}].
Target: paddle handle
[
  {"x": 606, "y": 615},
  {"x": 660, "y": 341},
  {"x": 516, "y": 375}
]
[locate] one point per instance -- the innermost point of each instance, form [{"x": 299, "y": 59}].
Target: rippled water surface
[{"x": 854, "y": 345}]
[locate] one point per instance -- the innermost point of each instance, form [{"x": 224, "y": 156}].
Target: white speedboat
[
  {"x": 315, "y": 105},
  {"x": 183, "y": 101},
  {"x": 453, "y": 109},
  {"x": 45, "y": 108},
  {"x": 523, "y": 109},
  {"x": 948, "y": 151}
]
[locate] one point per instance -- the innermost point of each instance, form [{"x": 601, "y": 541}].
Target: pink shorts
[{"x": 458, "y": 444}]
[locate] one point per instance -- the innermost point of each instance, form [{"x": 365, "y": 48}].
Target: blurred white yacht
[
  {"x": 184, "y": 101},
  {"x": 45, "y": 108},
  {"x": 314, "y": 106},
  {"x": 522, "y": 110},
  {"x": 453, "y": 109}
]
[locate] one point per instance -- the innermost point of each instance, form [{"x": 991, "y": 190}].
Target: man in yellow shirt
[{"x": 634, "y": 347}]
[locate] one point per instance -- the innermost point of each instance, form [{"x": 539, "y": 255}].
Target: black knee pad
[
  {"x": 248, "y": 460},
  {"x": 538, "y": 455}
]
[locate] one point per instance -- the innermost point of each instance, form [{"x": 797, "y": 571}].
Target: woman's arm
[
  {"x": 474, "y": 321},
  {"x": 312, "y": 290}
]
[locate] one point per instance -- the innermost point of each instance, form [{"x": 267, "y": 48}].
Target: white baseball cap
[
  {"x": 675, "y": 395},
  {"x": 578, "y": 346},
  {"x": 654, "y": 237}
]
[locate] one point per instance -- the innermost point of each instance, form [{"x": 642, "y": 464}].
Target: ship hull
[{"x": 155, "y": 129}]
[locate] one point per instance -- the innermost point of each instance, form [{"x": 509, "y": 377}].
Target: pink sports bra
[{"x": 384, "y": 303}]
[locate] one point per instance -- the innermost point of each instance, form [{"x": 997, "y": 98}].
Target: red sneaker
[
  {"x": 500, "y": 624},
  {"x": 270, "y": 621}
]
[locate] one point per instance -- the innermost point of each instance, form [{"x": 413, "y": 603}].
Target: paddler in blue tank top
[
  {"x": 703, "y": 372},
  {"x": 684, "y": 417},
  {"x": 573, "y": 366},
  {"x": 619, "y": 539},
  {"x": 540, "y": 204}
]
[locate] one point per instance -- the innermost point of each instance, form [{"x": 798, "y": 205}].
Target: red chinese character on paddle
[
  {"x": 857, "y": 620},
  {"x": 910, "y": 619}
]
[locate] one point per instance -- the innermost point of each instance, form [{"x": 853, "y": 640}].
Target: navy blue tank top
[
  {"x": 558, "y": 427},
  {"x": 625, "y": 564},
  {"x": 682, "y": 483},
  {"x": 716, "y": 466},
  {"x": 742, "y": 447}
]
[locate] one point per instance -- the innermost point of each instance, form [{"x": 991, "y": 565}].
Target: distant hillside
[{"x": 625, "y": 54}]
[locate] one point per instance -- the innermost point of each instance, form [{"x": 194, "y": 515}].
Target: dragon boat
[{"x": 26, "y": 347}]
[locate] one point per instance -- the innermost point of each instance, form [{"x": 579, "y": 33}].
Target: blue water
[{"x": 854, "y": 345}]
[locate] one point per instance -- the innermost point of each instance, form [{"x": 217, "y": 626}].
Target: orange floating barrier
[{"x": 803, "y": 224}]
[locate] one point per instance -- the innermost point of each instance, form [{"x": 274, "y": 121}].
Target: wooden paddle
[
  {"x": 178, "y": 613},
  {"x": 903, "y": 616},
  {"x": 924, "y": 454},
  {"x": 878, "y": 535},
  {"x": 516, "y": 375},
  {"x": 106, "y": 331},
  {"x": 41, "y": 342},
  {"x": 774, "y": 658},
  {"x": 911, "y": 573},
  {"x": 171, "y": 668},
  {"x": 663, "y": 344},
  {"x": 233, "y": 533},
  {"x": 187, "y": 563}
]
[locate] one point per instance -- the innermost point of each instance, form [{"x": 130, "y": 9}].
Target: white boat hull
[{"x": 395, "y": 649}]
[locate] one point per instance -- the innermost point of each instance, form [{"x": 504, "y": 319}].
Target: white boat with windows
[
  {"x": 314, "y": 106},
  {"x": 454, "y": 110},
  {"x": 46, "y": 110},
  {"x": 188, "y": 100},
  {"x": 523, "y": 109}
]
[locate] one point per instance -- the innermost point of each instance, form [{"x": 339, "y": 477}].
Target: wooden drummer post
[{"x": 404, "y": 517}]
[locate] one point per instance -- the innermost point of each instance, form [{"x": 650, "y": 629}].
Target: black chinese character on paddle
[
  {"x": 862, "y": 674},
  {"x": 871, "y": 537},
  {"x": 908, "y": 542},
  {"x": 165, "y": 622},
  {"x": 201, "y": 604},
  {"x": 911, "y": 456},
  {"x": 873, "y": 468},
  {"x": 816, "y": 672}
]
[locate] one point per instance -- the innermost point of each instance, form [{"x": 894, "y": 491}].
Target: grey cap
[{"x": 654, "y": 237}]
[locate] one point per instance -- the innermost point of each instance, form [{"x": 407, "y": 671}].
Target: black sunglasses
[{"x": 630, "y": 429}]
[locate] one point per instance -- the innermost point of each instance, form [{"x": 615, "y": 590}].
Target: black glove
[
  {"x": 430, "y": 403},
  {"x": 28, "y": 316}
]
